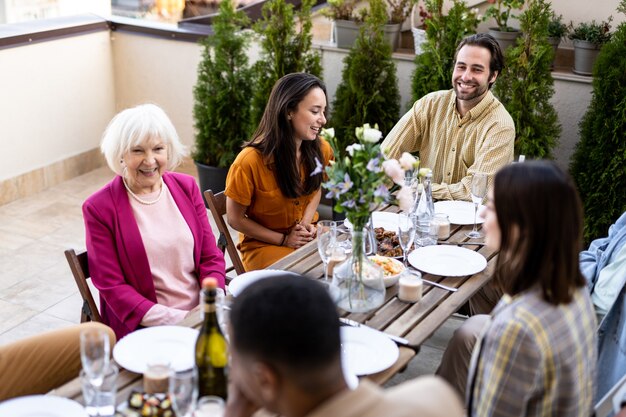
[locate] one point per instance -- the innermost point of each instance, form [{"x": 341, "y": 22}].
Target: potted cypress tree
[
  {"x": 433, "y": 67},
  {"x": 600, "y": 156},
  {"x": 588, "y": 38},
  {"x": 526, "y": 86},
  {"x": 368, "y": 91},
  {"x": 222, "y": 97},
  {"x": 285, "y": 48}
]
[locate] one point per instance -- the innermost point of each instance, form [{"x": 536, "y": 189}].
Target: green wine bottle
[{"x": 211, "y": 347}]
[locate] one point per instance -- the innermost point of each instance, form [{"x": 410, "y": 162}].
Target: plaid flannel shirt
[{"x": 536, "y": 359}]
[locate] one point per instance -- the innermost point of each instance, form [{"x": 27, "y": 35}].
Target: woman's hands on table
[{"x": 300, "y": 235}]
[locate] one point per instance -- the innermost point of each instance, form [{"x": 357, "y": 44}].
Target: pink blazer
[{"x": 117, "y": 258}]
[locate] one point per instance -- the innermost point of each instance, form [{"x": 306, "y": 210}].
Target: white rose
[
  {"x": 371, "y": 135},
  {"x": 330, "y": 133},
  {"x": 394, "y": 171},
  {"x": 354, "y": 147}
]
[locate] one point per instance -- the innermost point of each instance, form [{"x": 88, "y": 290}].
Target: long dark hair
[
  {"x": 540, "y": 218},
  {"x": 274, "y": 136}
]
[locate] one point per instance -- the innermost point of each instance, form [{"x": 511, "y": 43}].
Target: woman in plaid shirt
[{"x": 535, "y": 354}]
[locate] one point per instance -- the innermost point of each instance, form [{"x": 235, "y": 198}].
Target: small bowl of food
[{"x": 392, "y": 268}]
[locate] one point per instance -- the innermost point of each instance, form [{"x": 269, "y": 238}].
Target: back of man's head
[{"x": 289, "y": 322}]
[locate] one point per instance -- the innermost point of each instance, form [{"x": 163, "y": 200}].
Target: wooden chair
[
  {"x": 80, "y": 270},
  {"x": 217, "y": 205}
]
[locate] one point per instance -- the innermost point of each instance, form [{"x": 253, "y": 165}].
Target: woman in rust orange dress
[{"x": 272, "y": 196}]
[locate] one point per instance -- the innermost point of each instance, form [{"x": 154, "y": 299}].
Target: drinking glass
[
  {"x": 94, "y": 354},
  {"x": 479, "y": 191},
  {"x": 326, "y": 239},
  {"x": 183, "y": 389},
  {"x": 210, "y": 406},
  {"x": 406, "y": 233}
]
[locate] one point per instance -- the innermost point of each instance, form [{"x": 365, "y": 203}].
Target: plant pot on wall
[
  {"x": 346, "y": 32},
  {"x": 211, "y": 178},
  {"x": 585, "y": 55},
  {"x": 505, "y": 39},
  {"x": 392, "y": 35}
]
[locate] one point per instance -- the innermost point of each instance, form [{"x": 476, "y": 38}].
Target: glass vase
[{"x": 358, "y": 285}]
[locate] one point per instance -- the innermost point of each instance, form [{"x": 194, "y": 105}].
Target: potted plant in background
[
  {"x": 433, "y": 67},
  {"x": 369, "y": 86},
  {"x": 588, "y": 38},
  {"x": 285, "y": 40},
  {"x": 346, "y": 23},
  {"x": 501, "y": 12},
  {"x": 598, "y": 162},
  {"x": 222, "y": 97},
  {"x": 419, "y": 29},
  {"x": 399, "y": 11},
  {"x": 526, "y": 86},
  {"x": 556, "y": 31}
]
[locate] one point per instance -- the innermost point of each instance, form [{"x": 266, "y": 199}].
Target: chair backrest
[
  {"x": 80, "y": 269},
  {"x": 605, "y": 406},
  {"x": 217, "y": 205}
]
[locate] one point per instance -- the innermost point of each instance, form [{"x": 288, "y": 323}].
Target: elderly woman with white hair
[{"x": 148, "y": 236}]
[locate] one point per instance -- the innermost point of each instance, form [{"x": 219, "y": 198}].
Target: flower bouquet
[{"x": 359, "y": 182}]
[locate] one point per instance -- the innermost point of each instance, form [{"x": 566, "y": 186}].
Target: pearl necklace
[{"x": 139, "y": 199}]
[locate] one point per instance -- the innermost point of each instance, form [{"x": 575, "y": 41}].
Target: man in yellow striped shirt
[{"x": 460, "y": 131}]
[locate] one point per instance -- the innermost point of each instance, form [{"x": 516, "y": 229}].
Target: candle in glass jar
[
  {"x": 156, "y": 377},
  {"x": 410, "y": 289},
  {"x": 440, "y": 226}
]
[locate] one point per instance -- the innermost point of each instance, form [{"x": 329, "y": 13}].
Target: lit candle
[{"x": 440, "y": 226}]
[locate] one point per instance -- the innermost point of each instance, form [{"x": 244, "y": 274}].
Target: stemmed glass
[
  {"x": 183, "y": 389},
  {"x": 326, "y": 239},
  {"x": 479, "y": 191},
  {"x": 406, "y": 233},
  {"x": 94, "y": 355}
]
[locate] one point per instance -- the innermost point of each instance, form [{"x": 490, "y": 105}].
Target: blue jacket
[{"x": 612, "y": 329}]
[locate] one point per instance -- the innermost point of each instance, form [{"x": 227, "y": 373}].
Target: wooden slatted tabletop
[{"x": 415, "y": 322}]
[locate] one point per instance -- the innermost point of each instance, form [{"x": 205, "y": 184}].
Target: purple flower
[
  {"x": 349, "y": 204},
  {"x": 345, "y": 185},
  {"x": 318, "y": 167},
  {"x": 381, "y": 191},
  {"x": 373, "y": 165}
]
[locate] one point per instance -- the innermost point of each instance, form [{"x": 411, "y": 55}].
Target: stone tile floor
[{"x": 37, "y": 291}]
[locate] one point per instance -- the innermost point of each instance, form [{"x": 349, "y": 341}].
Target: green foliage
[
  {"x": 284, "y": 49},
  {"x": 433, "y": 67},
  {"x": 224, "y": 83},
  {"x": 340, "y": 9},
  {"x": 596, "y": 33},
  {"x": 599, "y": 161},
  {"x": 556, "y": 27},
  {"x": 369, "y": 87},
  {"x": 399, "y": 10},
  {"x": 526, "y": 84},
  {"x": 501, "y": 12}
]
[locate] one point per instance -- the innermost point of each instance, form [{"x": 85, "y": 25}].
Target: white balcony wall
[{"x": 56, "y": 97}]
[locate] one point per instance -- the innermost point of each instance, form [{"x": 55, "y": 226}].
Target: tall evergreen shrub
[
  {"x": 526, "y": 84},
  {"x": 224, "y": 83},
  {"x": 599, "y": 161},
  {"x": 368, "y": 92},
  {"x": 285, "y": 48},
  {"x": 433, "y": 67}
]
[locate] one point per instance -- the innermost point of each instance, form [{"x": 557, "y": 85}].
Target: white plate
[
  {"x": 386, "y": 220},
  {"x": 240, "y": 282},
  {"x": 459, "y": 212},
  {"x": 42, "y": 406},
  {"x": 449, "y": 261},
  {"x": 364, "y": 351},
  {"x": 177, "y": 344}
]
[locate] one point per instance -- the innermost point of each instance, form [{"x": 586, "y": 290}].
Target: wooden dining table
[{"x": 415, "y": 322}]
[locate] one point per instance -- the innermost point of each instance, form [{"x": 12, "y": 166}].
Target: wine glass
[
  {"x": 326, "y": 239},
  {"x": 183, "y": 390},
  {"x": 479, "y": 191},
  {"x": 94, "y": 354},
  {"x": 406, "y": 233}
]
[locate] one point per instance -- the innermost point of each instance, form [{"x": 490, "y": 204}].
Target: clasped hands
[{"x": 300, "y": 235}]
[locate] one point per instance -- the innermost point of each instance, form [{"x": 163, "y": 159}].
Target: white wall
[{"x": 56, "y": 97}]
